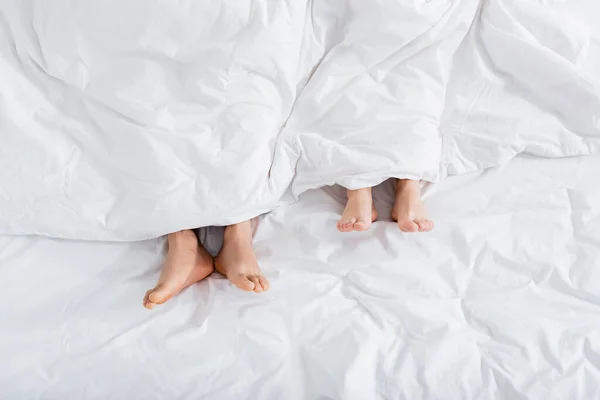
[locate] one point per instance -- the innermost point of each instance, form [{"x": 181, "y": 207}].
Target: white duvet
[{"x": 129, "y": 119}]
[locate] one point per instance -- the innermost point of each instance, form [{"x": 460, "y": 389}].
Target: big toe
[
  {"x": 408, "y": 225},
  {"x": 159, "y": 294},
  {"x": 242, "y": 282}
]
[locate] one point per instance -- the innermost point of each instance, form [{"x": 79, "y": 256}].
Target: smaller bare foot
[
  {"x": 237, "y": 260},
  {"x": 359, "y": 212},
  {"x": 408, "y": 209},
  {"x": 187, "y": 263}
]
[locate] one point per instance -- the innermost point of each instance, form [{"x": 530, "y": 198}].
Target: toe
[
  {"x": 257, "y": 284},
  {"x": 422, "y": 224},
  {"x": 408, "y": 226},
  {"x": 147, "y": 303},
  {"x": 162, "y": 293},
  {"x": 344, "y": 227},
  {"x": 158, "y": 295},
  {"x": 242, "y": 282},
  {"x": 360, "y": 226},
  {"x": 425, "y": 225},
  {"x": 264, "y": 282}
]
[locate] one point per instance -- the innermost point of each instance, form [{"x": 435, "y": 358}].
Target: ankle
[
  {"x": 358, "y": 192},
  {"x": 241, "y": 232},
  {"x": 408, "y": 185},
  {"x": 185, "y": 238}
]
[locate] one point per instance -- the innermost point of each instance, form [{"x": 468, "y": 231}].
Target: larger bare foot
[
  {"x": 408, "y": 209},
  {"x": 237, "y": 260},
  {"x": 187, "y": 263},
  {"x": 359, "y": 212}
]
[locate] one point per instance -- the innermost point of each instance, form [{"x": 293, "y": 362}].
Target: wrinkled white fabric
[
  {"x": 499, "y": 302},
  {"x": 128, "y": 119}
]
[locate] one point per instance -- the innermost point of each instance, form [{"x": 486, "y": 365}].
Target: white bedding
[
  {"x": 123, "y": 120},
  {"x": 500, "y": 301},
  {"x": 129, "y": 119}
]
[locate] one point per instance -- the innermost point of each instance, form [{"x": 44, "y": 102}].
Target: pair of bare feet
[
  {"x": 188, "y": 262},
  {"x": 408, "y": 210}
]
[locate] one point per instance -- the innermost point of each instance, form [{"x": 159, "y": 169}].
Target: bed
[
  {"x": 122, "y": 121},
  {"x": 500, "y": 301}
]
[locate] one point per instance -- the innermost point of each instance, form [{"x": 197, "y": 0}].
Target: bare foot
[
  {"x": 237, "y": 260},
  {"x": 187, "y": 263},
  {"x": 408, "y": 209},
  {"x": 359, "y": 212}
]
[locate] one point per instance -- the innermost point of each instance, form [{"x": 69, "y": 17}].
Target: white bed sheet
[{"x": 500, "y": 301}]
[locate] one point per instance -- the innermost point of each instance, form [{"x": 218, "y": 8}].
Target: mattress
[{"x": 500, "y": 301}]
